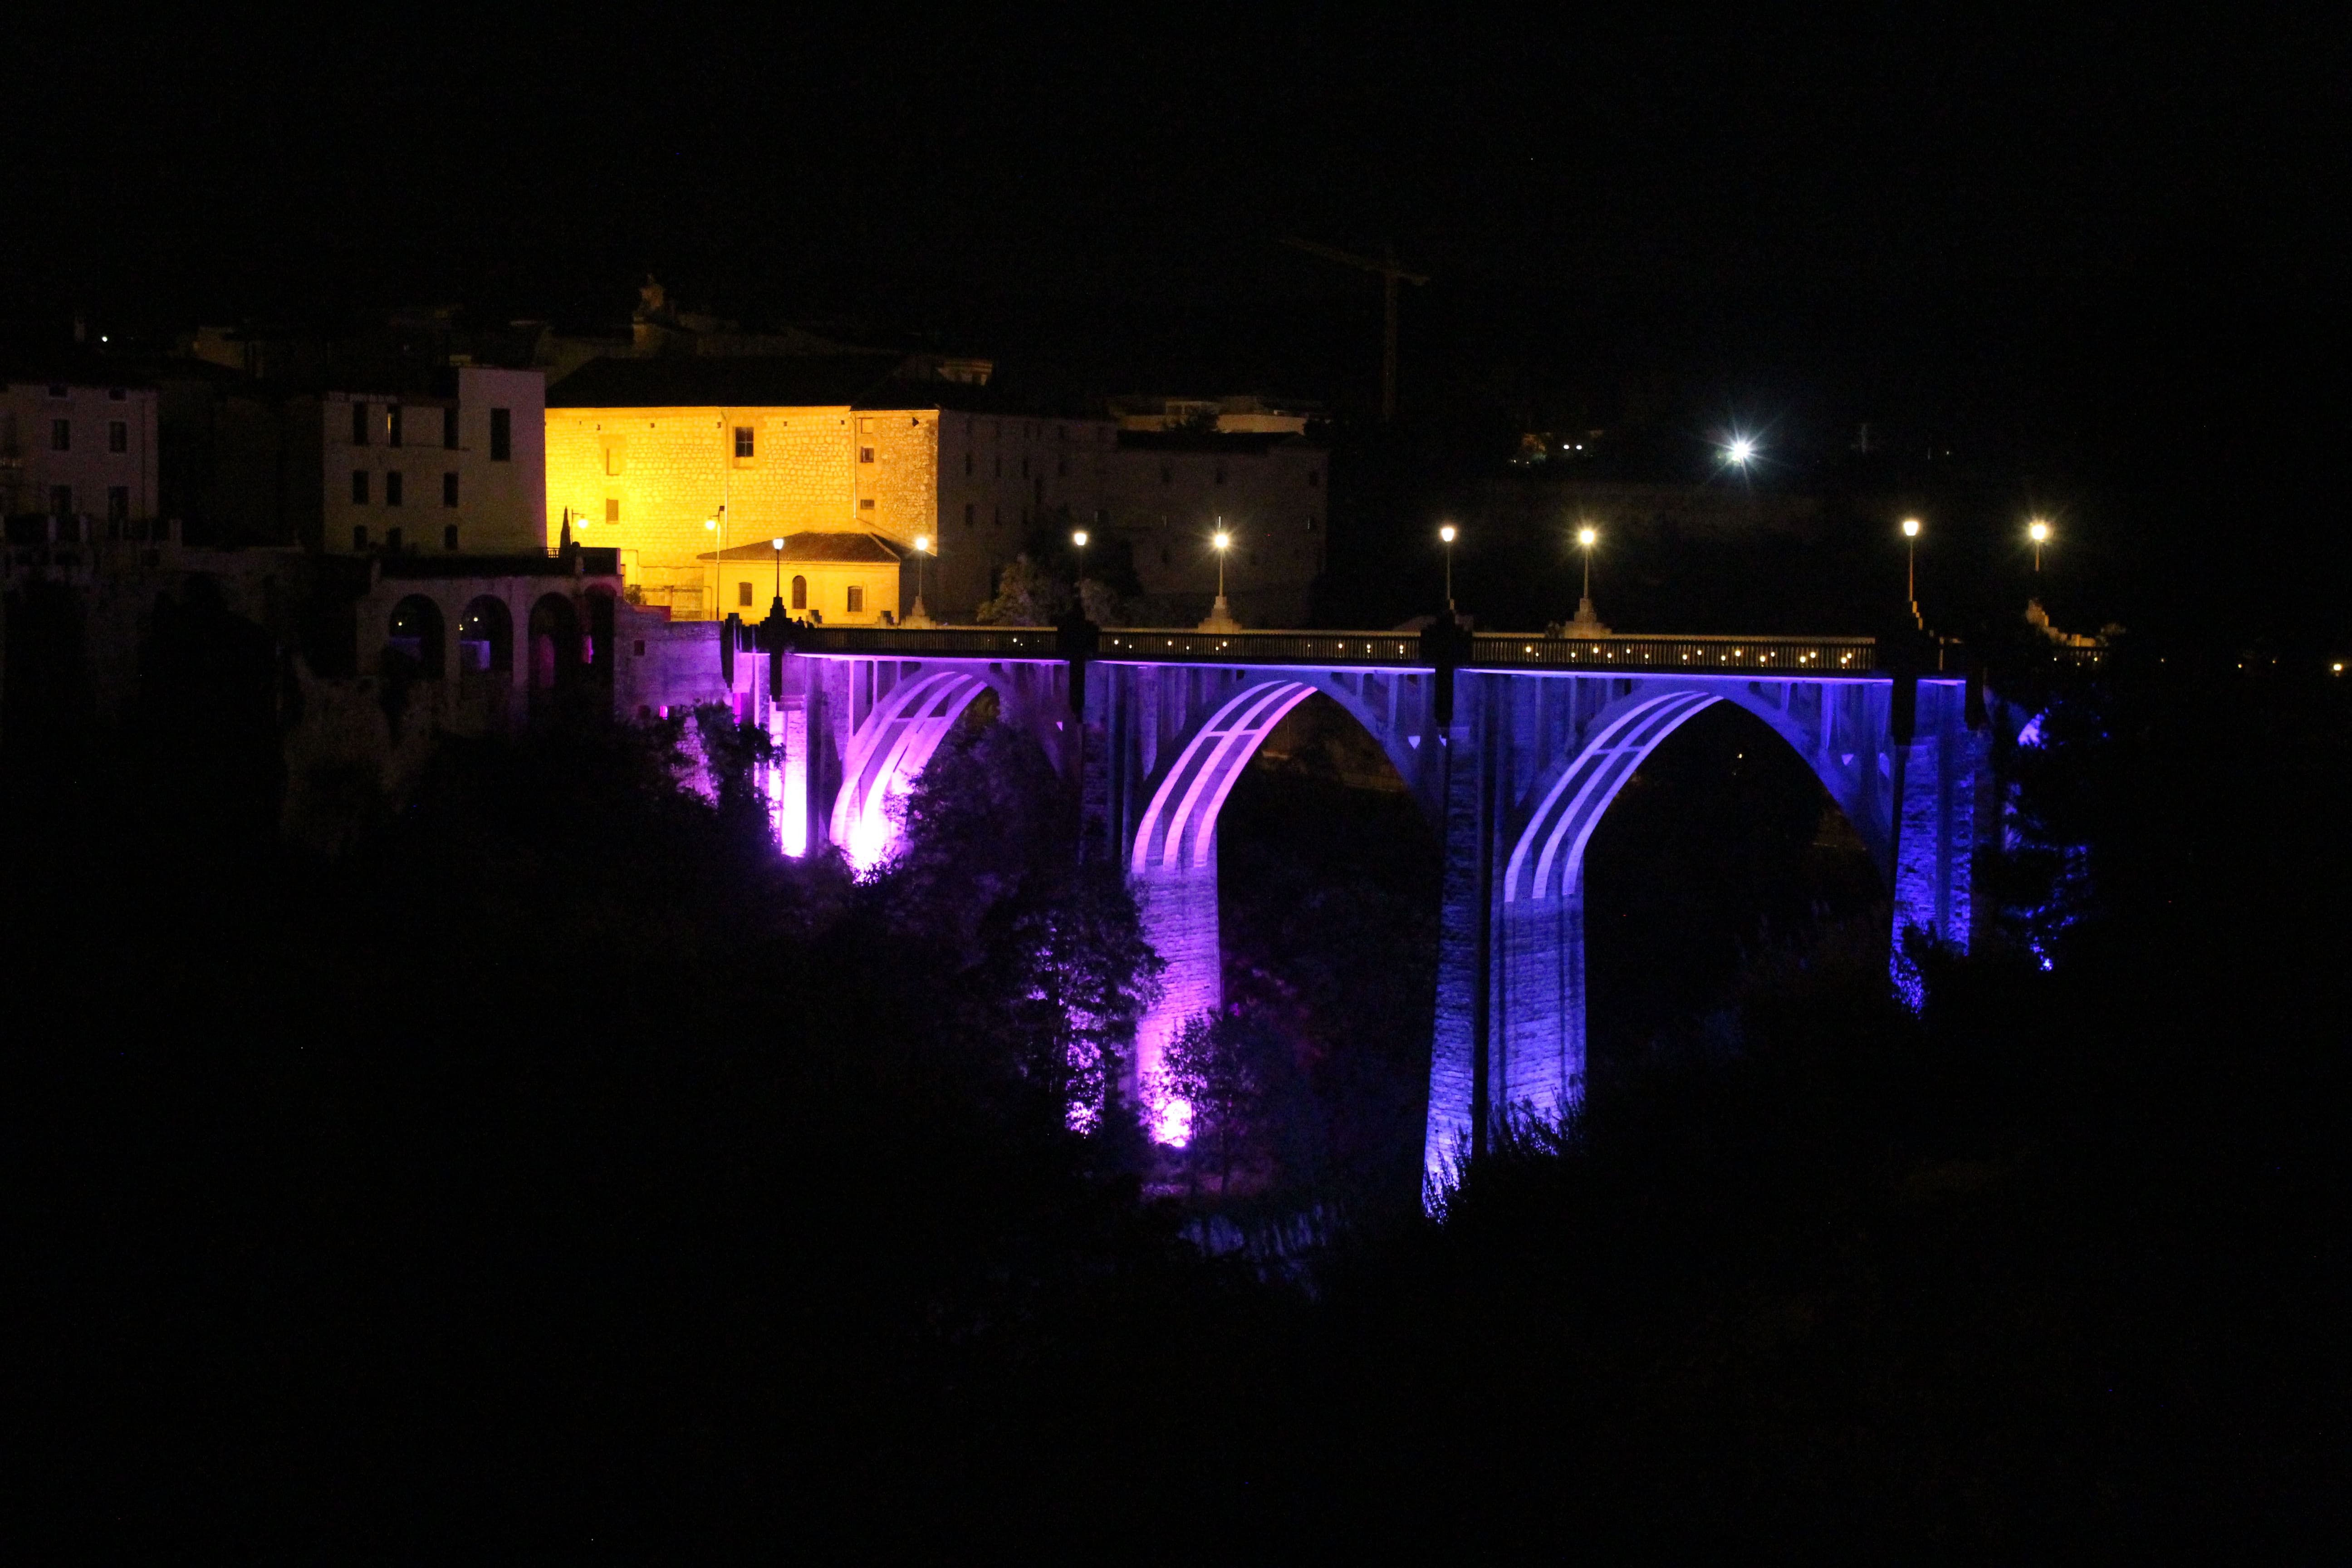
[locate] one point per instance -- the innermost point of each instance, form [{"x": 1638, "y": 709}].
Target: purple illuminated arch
[
  {"x": 1179, "y": 830},
  {"x": 887, "y": 753},
  {"x": 1547, "y": 857}
]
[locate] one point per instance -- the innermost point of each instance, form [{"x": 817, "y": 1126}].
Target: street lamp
[
  {"x": 1911, "y": 568},
  {"x": 1740, "y": 451},
  {"x": 1221, "y": 615},
  {"x": 1586, "y": 538},
  {"x": 919, "y": 617},
  {"x": 1446, "y": 533},
  {"x": 2038, "y": 531},
  {"x": 716, "y": 525},
  {"x": 779, "y": 546}
]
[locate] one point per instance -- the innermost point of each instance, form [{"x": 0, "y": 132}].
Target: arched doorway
[
  {"x": 414, "y": 641},
  {"x": 486, "y": 639},
  {"x": 554, "y": 645}
]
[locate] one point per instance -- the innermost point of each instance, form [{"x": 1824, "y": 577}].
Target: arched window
[{"x": 800, "y": 593}]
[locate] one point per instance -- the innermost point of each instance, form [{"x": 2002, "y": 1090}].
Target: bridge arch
[
  {"x": 1540, "y": 991},
  {"x": 889, "y": 751},
  {"x": 1172, "y": 859}
]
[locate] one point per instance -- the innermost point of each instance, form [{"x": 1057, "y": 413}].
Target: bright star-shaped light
[
  {"x": 1741, "y": 450},
  {"x": 1223, "y": 541},
  {"x": 1587, "y": 537}
]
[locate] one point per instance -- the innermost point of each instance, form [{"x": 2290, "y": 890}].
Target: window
[
  {"x": 501, "y": 435},
  {"x": 359, "y": 537},
  {"x": 800, "y": 593},
  {"x": 117, "y": 394},
  {"x": 118, "y": 503},
  {"x": 118, "y": 435},
  {"x": 1061, "y": 467},
  {"x": 359, "y": 424},
  {"x": 392, "y": 425},
  {"x": 1220, "y": 473},
  {"x": 1163, "y": 555},
  {"x": 865, "y": 453},
  {"x": 970, "y": 514},
  {"x": 449, "y": 488},
  {"x": 1314, "y": 477},
  {"x": 1000, "y": 465},
  {"x": 743, "y": 443},
  {"x": 1167, "y": 473},
  {"x": 996, "y": 516},
  {"x": 857, "y": 599},
  {"x": 392, "y": 489},
  {"x": 612, "y": 509},
  {"x": 359, "y": 486},
  {"x": 449, "y": 427},
  {"x": 61, "y": 435},
  {"x": 392, "y": 539},
  {"x": 61, "y": 500},
  {"x": 743, "y": 592},
  {"x": 1025, "y": 465},
  {"x": 967, "y": 465},
  {"x": 1310, "y": 523},
  {"x": 57, "y": 391},
  {"x": 1102, "y": 517},
  {"x": 867, "y": 504},
  {"x": 450, "y": 536}
]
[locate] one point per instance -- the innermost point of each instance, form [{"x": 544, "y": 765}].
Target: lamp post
[
  {"x": 2038, "y": 531},
  {"x": 1078, "y": 543},
  {"x": 716, "y": 524},
  {"x": 1221, "y": 616},
  {"x": 779, "y": 546},
  {"x": 1447, "y": 535},
  {"x": 919, "y": 616},
  {"x": 1911, "y": 569},
  {"x": 1587, "y": 619}
]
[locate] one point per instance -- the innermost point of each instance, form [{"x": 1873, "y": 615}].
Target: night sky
[{"x": 2100, "y": 255}]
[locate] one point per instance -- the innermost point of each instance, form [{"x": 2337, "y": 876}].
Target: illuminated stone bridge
[{"x": 1514, "y": 746}]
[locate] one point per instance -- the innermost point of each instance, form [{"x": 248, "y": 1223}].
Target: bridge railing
[
  {"x": 914, "y": 642},
  {"x": 1800, "y": 655},
  {"x": 1407, "y": 650},
  {"x": 1263, "y": 647}
]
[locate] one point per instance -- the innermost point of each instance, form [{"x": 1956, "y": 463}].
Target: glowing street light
[
  {"x": 1911, "y": 568},
  {"x": 1447, "y": 535},
  {"x": 2038, "y": 531},
  {"x": 1221, "y": 615},
  {"x": 1740, "y": 451},
  {"x": 1586, "y": 538},
  {"x": 777, "y": 545},
  {"x": 919, "y": 616}
]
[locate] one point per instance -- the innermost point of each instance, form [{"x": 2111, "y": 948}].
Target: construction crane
[{"x": 1390, "y": 271}]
